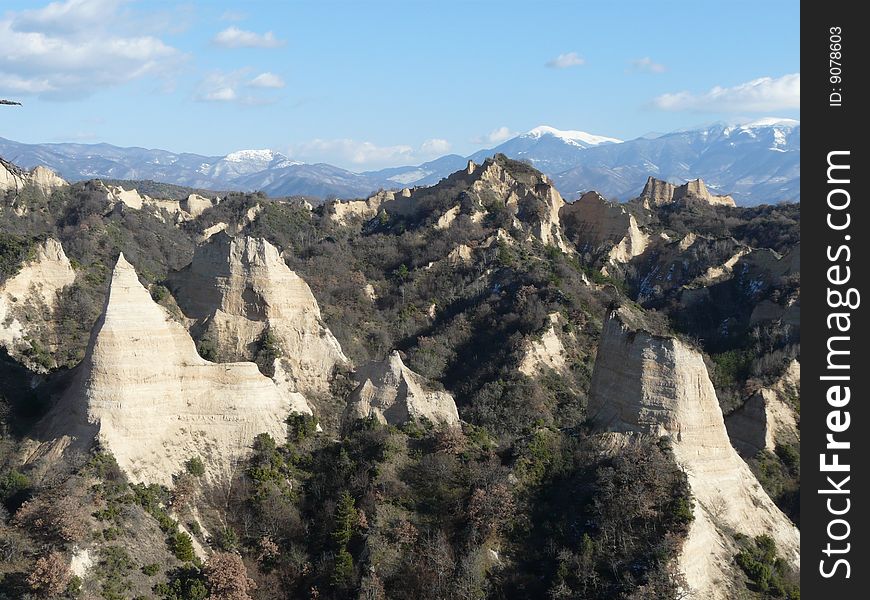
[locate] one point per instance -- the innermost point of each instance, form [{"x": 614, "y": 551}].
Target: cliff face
[
  {"x": 28, "y": 299},
  {"x": 154, "y": 403},
  {"x": 548, "y": 352},
  {"x": 767, "y": 417},
  {"x": 596, "y": 225},
  {"x": 657, "y": 193},
  {"x": 239, "y": 290},
  {"x": 15, "y": 178},
  {"x": 530, "y": 197},
  {"x": 657, "y": 385},
  {"x": 394, "y": 394}
]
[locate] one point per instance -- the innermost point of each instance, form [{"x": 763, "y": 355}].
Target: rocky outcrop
[
  {"x": 392, "y": 393},
  {"x": 239, "y": 291},
  {"x": 195, "y": 205},
  {"x": 28, "y": 299},
  {"x": 767, "y": 418},
  {"x": 657, "y": 193},
  {"x": 548, "y": 352},
  {"x": 16, "y": 179},
  {"x": 345, "y": 212},
  {"x": 149, "y": 398},
  {"x": 597, "y": 226},
  {"x": 524, "y": 192},
  {"x": 657, "y": 385}
]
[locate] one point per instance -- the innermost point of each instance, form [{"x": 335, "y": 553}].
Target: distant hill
[{"x": 757, "y": 162}]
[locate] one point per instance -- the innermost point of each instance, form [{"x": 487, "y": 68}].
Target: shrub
[
  {"x": 227, "y": 577},
  {"x": 151, "y": 569},
  {"x": 50, "y": 575},
  {"x": 182, "y": 547},
  {"x": 195, "y": 466}
]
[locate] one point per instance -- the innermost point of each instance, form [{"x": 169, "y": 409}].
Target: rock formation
[
  {"x": 657, "y": 385},
  {"x": 529, "y": 196},
  {"x": 394, "y": 394},
  {"x": 595, "y": 225},
  {"x": 149, "y": 398},
  {"x": 239, "y": 290},
  {"x": 29, "y": 297},
  {"x": 767, "y": 417},
  {"x": 657, "y": 193},
  {"x": 14, "y": 178},
  {"x": 195, "y": 205},
  {"x": 548, "y": 352}
]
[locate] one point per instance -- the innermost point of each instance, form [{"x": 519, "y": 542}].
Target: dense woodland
[{"x": 525, "y": 501}]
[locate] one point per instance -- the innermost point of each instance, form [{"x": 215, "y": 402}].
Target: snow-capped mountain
[
  {"x": 549, "y": 149},
  {"x": 756, "y": 162}
]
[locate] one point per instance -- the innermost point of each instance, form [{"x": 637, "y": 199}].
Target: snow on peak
[
  {"x": 770, "y": 122},
  {"x": 251, "y": 155},
  {"x": 577, "y": 138}
]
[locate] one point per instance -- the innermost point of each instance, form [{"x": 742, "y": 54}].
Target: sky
[{"x": 365, "y": 85}]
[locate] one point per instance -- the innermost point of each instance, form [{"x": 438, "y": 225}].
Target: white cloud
[
  {"x": 267, "y": 80},
  {"x": 233, "y": 37},
  {"x": 221, "y": 94},
  {"x": 73, "y": 48},
  {"x": 764, "y": 94},
  {"x": 648, "y": 65},
  {"x": 69, "y": 16},
  {"x": 498, "y": 135},
  {"x": 563, "y": 61},
  {"x": 363, "y": 155},
  {"x": 230, "y": 86},
  {"x": 435, "y": 147}
]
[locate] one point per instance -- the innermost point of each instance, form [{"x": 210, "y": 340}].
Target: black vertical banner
[{"x": 835, "y": 420}]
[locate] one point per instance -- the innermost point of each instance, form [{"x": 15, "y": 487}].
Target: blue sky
[{"x": 371, "y": 84}]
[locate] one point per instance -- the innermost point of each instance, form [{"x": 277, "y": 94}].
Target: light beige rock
[
  {"x": 657, "y": 193},
  {"x": 344, "y": 212},
  {"x": 447, "y": 218},
  {"x": 15, "y": 178},
  {"x": 392, "y": 393},
  {"x": 30, "y": 296},
  {"x": 210, "y": 231},
  {"x": 148, "y": 398},
  {"x": 659, "y": 386},
  {"x": 767, "y": 417},
  {"x": 492, "y": 180},
  {"x": 195, "y": 205},
  {"x": 460, "y": 255},
  {"x": 548, "y": 352},
  {"x": 718, "y": 273},
  {"x": 596, "y": 225},
  {"x": 240, "y": 288}
]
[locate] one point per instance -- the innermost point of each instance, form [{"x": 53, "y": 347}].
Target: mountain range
[{"x": 756, "y": 162}]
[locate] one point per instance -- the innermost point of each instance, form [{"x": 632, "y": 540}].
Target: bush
[
  {"x": 195, "y": 466},
  {"x": 151, "y": 569},
  {"x": 768, "y": 573},
  {"x": 182, "y": 547}
]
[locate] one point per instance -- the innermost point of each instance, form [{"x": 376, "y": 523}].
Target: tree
[
  {"x": 50, "y": 575},
  {"x": 227, "y": 578}
]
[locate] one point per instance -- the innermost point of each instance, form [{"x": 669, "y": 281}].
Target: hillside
[{"x": 474, "y": 389}]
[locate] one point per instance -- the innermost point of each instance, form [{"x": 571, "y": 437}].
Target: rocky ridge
[
  {"x": 392, "y": 393},
  {"x": 145, "y": 395},
  {"x": 238, "y": 291},
  {"x": 28, "y": 299},
  {"x": 657, "y": 385},
  {"x": 16, "y": 179},
  {"x": 658, "y": 193}
]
